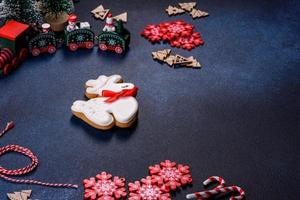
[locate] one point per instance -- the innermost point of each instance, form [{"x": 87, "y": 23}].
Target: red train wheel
[
  {"x": 35, "y": 52},
  {"x": 118, "y": 50},
  {"x": 5, "y": 56},
  {"x": 2, "y": 62},
  {"x": 73, "y": 47},
  {"x": 51, "y": 49},
  {"x": 15, "y": 62},
  {"x": 8, "y": 52},
  {"x": 23, "y": 54},
  {"x": 103, "y": 47},
  {"x": 7, "y": 69},
  {"x": 89, "y": 45}
]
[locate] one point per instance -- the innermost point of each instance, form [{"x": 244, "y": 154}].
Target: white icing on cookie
[
  {"x": 106, "y": 83},
  {"x": 100, "y": 113}
]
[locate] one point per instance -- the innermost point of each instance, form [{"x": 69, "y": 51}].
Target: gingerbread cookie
[{"x": 112, "y": 103}]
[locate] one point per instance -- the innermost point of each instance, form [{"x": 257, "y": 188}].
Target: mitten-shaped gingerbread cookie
[{"x": 112, "y": 103}]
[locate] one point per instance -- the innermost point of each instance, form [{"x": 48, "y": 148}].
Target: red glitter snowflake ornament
[
  {"x": 104, "y": 187},
  {"x": 153, "y": 33},
  {"x": 146, "y": 189},
  {"x": 175, "y": 29},
  {"x": 188, "y": 42},
  {"x": 170, "y": 176}
]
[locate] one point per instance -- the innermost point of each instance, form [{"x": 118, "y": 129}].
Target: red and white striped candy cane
[
  {"x": 212, "y": 179},
  {"x": 217, "y": 190},
  {"x": 236, "y": 189},
  {"x": 206, "y": 194}
]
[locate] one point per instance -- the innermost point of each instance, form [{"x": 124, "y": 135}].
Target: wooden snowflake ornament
[
  {"x": 104, "y": 187},
  {"x": 147, "y": 189},
  {"x": 170, "y": 176}
]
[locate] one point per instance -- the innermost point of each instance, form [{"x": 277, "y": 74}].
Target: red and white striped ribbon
[
  {"x": 9, "y": 126},
  {"x": 217, "y": 190},
  {"x": 4, "y": 173}
]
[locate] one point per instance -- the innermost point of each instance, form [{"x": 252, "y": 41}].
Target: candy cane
[
  {"x": 217, "y": 190},
  {"x": 212, "y": 179},
  {"x": 4, "y": 173},
  {"x": 206, "y": 194},
  {"x": 232, "y": 189}
]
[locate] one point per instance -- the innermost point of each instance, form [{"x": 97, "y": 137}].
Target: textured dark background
[{"x": 237, "y": 117}]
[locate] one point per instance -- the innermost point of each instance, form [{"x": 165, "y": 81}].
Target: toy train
[
  {"x": 13, "y": 45},
  {"x": 18, "y": 39}
]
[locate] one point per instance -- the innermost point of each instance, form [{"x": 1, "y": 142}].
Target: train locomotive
[{"x": 13, "y": 45}]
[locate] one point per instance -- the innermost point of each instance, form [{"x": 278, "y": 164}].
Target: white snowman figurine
[
  {"x": 109, "y": 26},
  {"x": 72, "y": 23}
]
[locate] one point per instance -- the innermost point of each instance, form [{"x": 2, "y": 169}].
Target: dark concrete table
[{"x": 237, "y": 117}]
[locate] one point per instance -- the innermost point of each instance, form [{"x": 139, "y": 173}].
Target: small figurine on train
[
  {"x": 109, "y": 26},
  {"x": 46, "y": 28},
  {"x": 72, "y": 23},
  {"x": 114, "y": 36}
]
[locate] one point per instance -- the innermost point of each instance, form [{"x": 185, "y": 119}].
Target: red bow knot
[{"x": 113, "y": 96}]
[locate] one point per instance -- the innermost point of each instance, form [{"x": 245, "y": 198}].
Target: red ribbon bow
[{"x": 113, "y": 96}]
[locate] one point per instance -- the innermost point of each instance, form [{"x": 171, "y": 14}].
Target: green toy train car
[
  {"x": 13, "y": 45},
  {"x": 82, "y": 37},
  {"x": 43, "y": 42},
  {"x": 117, "y": 41}
]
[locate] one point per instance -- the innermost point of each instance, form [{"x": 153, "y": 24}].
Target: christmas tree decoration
[
  {"x": 198, "y": 13},
  {"x": 174, "y": 60},
  {"x": 57, "y": 7},
  {"x": 14, "y": 9},
  {"x": 188, "y": 6},
  {"x": 171, "y": 10},
  {"x": 122, "y": 17},
  {"x": 56, "y": 12},
  {"x": 4, "y": 12},
  {"x": 99, "y": 12},
  {"x": 161, "y": 55},
  {"x": 29, "y": 14}
]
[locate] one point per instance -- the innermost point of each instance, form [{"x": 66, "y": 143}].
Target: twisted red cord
[
  {"x": 9, "y": 126},
  {"x": 4, "y": 173}
]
